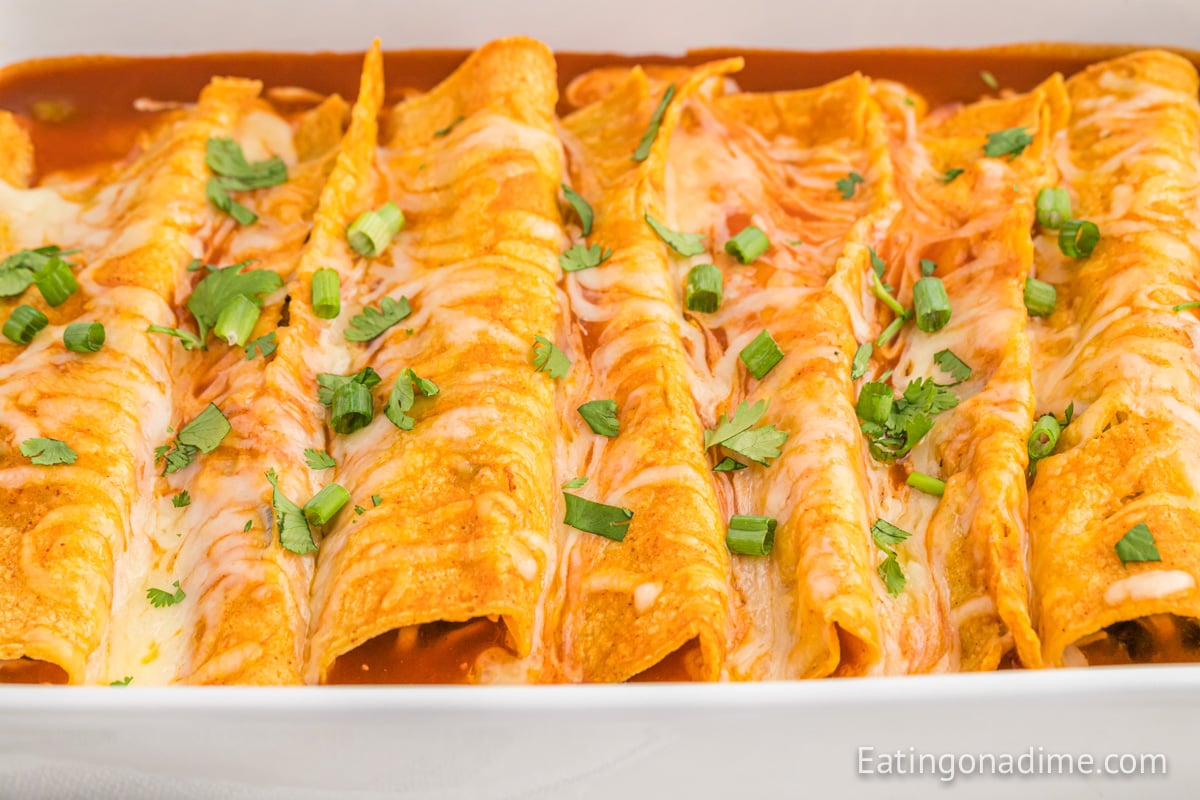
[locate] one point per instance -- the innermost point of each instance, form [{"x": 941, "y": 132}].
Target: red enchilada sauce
[{"x": 81, "y": 112}]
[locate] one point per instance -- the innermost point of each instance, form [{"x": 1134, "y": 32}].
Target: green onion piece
[
  {"x": 889, "y": 333},
  {"x": 325, "y": 503},
  {"x": 761, "y": 355},
  {"x": 1077, "y": 238},
  {"x": 932, "y": 304},
  {"x": 749, "y": 244},
  {"x": 1040, "y": 297},
  {"x": 1137, "y": 545},
  {"x": 862, "y": 357},
  {"x": 881, "y": 292},
  {"x": 1044, "y": 437},
  {"x": 875, "y": 402},
  {"x": 326, "y": 293},
  {"x": 1053, "y": 208},
  {"x": 84, "y": 337},
  {"x": 990, "y": 79},
  {"x": 611, "y": 522},
  {"x": 750, "y": 536},
  {"x": 926, "y": 483},
  {"x": 237, "y": 319},
  {"x": 24, "y": 323},
  {"x": 352, "y": 407},
  {"x": 370, "y": 234},
  {"x": 56, "y": 282},
  {"x": 705, "y": 286},
  {"x": 1186, "y": 306}
]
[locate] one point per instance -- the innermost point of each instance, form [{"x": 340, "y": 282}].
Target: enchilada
[{"x": 663, "y": 379}]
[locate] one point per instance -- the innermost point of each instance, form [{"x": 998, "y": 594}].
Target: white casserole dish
[{"x": 764, "y": 740}]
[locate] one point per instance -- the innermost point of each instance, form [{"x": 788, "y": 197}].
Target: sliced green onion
[
  {"x": 875, "y": 402},
  {"x": 889, "y": 333},
  {"x": 24, "y": 323},
  {"x": 749, "y": 244},
  {"x": 705, "y": 286},
  {"x": 750, "y": 536},
  {"x": 352, "y": 407},
  {"x": 237, "y": 319},
  {"x": 56, "y": 282},
  {"x": 371, "y": 233},
  {"x": 926, "y": 483},
  {"x": 881, "y": 292},
  {"x": 325, "y": 503},
  {"x": 326, "y": 293},
  {"x": 1044, "y": 437},
  {"x": 1040, "y": 298},
  {"x": 84, "y": 337},
  {"x": 1053, "y": 208},
  {"x": 1077, "y": 238},
  {"x": 761, "y": 355},
  {"x": 932, "y": 304}
]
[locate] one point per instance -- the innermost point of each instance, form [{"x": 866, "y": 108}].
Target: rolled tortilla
[
  {"x": 443, "y": 575},
  {"x": 1130, "y": 159}
]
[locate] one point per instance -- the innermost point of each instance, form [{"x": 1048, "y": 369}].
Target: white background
[{"x": 42, "y": 27}]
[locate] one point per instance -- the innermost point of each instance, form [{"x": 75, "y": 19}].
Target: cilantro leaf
[
  {"x": 182, "y": 500},
  {"x": 728, "y": 464},
  {"x": 601, "y": 417},
  {"x": 887, "y": 535},
  {"x": 949, "y": 175},
  {"x": 17, "y": 270},
  {"x": 643, "y": 149},
  {"x": 218, "y": 195},
  {"x": 221, "y": 285},
  {"x": 202, "y": 435},
  {"x": 734, "y": 433},
  {"x": 744, "y": 416},
  {"x": 686, "y": 244},
  {"x": 582, "y": 208},
  {"x": 318, "y": 459},
  {"x": 848, "y": 184},
  {"x": 891, "y": 575},
  {"x": 1137, "y": 545},
  {"x": 575, "y": 483},
  {"x": 910, "y": 418},
  {"x": 371, "y": 322},
  {"x": 294, "y": 534},
  {"x": 862, "y": 357},
  {"x": 953, "y": 365},
  {"x": 580, "y": 257},
  {"x": 403, "y": 395},
  {"x": 265, "y": 345},
  {"x": 1009, "y": 142},
  {"x": 549, "y": 359},
  {"x": 47, "y": 452},
  {"x": 376, "y": 500},
  {"x": 161, "y": 598},
  {"x": 123, "y": 682},
  {"x": 224, "y": 157}
]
